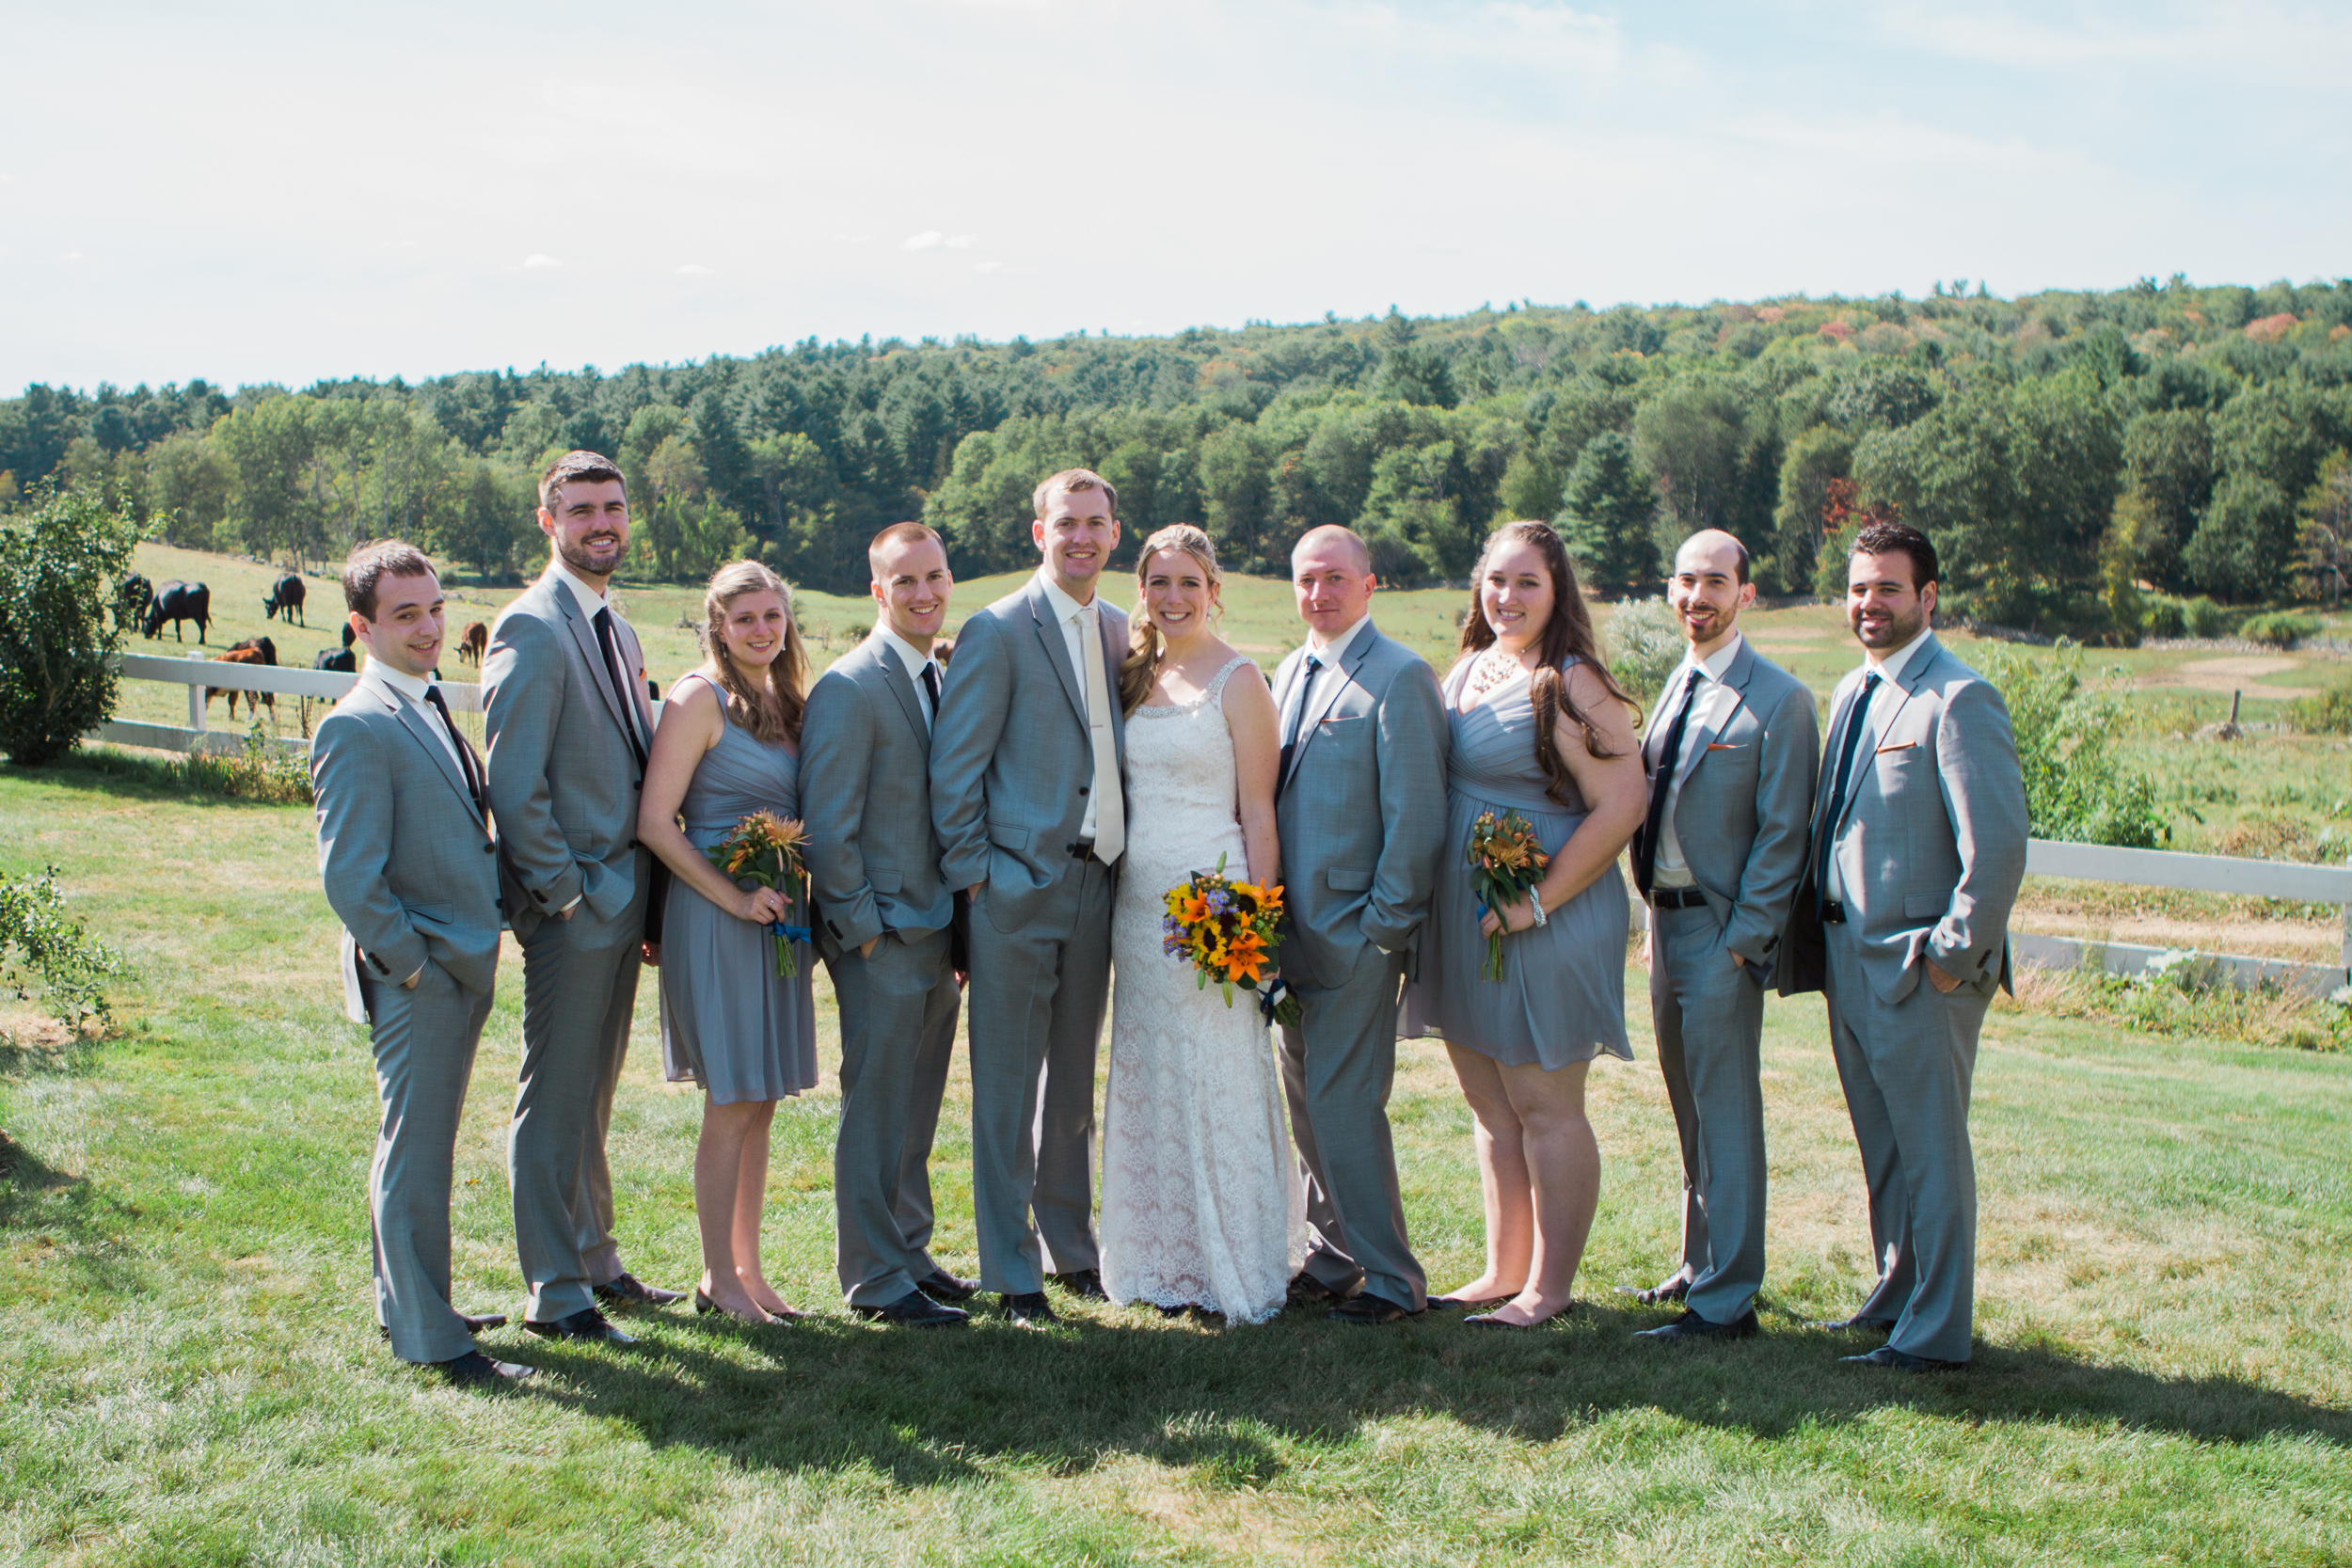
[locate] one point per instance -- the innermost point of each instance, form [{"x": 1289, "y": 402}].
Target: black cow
[
  {"x": 341, "y": 662},
  {"x": 137, "y": 596},
  {"x": 286, "y": 597},
  {"x": 177, "y": 602}
]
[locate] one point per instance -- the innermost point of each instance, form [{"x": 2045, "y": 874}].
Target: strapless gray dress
[
  {"x": 1562, "y": 995},
  {"x": 728, "y": 1021}
]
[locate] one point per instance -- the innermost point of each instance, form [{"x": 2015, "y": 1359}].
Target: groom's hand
[
  {"x": 867, "y": 949},
  {"x": 973, "y": 893}
]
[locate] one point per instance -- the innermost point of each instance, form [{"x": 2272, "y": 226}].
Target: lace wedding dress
[{"x": 1201, "y": 1202}]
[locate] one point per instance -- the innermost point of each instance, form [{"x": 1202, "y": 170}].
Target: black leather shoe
[
  {"x": 941, "y": 1286},
  {"x": 626, "y": 1289},
  {"x": 1365, "y": 1307},
  {"x": 1665, "y": 1292},
  {"x": 1845, "y": 1325},
  {"x": 474, "y": 1370},
  {"x": 1691, "y": 1326},
  {"x": 476, "y": 1323},
  {"x": 1890, "y": 1360},
  {"x": 586, "y": 1323},
  {"x": 914, "y": 1310},
  {"x": 1086, "y": 1284},
  {"x": 1305, "y": 1290},
  {"x": 1027, "y": 1309}
]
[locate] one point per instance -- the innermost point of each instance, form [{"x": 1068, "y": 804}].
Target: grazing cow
[
  {"x": 287, "y": 598},
  {"x": 472, "y": 642},
  {"x": 252, "y": 651},
  {"x": 136, "y": 596},
  {"x": 176, "y": 602}
]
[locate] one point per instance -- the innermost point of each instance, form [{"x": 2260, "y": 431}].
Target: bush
[
  {"x": 2202, "y": 617},
  {"x": 2076, "y": 789},
  {"x": 2280, "y": 629},
  {"x": 2328, "y": 712},
  {"x": 1642, "y": 645},
  {"x": 42, "y": 941},
  {"x": 63, "y": 617},
  {"x": 260, "y": 772},
  {"x": 2162, "y": 615}
]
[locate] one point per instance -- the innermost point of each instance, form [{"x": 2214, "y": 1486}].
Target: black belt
[
  {"x": 1081, "y": 849},
  {"x": 1677, "y": 898},
  {"x": 1833, "y": 912}
]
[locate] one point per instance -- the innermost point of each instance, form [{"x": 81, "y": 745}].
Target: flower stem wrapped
[{"x": 764, "y": 850}]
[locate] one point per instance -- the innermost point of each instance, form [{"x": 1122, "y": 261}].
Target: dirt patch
[{"x": 2231, "y": 675}]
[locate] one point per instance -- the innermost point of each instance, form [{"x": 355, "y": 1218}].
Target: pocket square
[
  {"x": 1723, "y": 745},
  {"x": 1905, "y": 746}
]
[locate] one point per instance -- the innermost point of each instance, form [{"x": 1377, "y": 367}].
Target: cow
[
  {"x": 177, "y": 602},
  {"x": 252, "y": 651},
  {"x": 135, "y": 594},
  {"x": 286, "y": 598},
  {"x": 472, "y": 644}
]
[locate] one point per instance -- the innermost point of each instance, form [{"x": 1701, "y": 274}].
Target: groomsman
[
  {"x": 866, "y": 753},
  {"x": 1028, "y": 794},
  {"x": 1360, "y": 805},
  {"x": 1918, "y": 848},
  {"x": 1731, "y": 757},
  {"x": 569, "y": 727},
  {"x": 406, "y": 851}
]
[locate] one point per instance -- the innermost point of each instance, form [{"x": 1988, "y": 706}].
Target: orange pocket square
[
  {"x": 1723, "y": 746},
  {"x": 1903, "y": 746}
]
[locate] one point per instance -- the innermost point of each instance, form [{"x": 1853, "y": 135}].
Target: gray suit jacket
[
  {"x": 1931, "y": 843},
  {"x": 409, "y": 865},
  {"x": 1011, "y": 758},
  {"x": 1747, "y": 777},
  {"x": 565, "y": 780},
  {"x": 1363, "y": 813},
  {"x": 865, "y": 794}
]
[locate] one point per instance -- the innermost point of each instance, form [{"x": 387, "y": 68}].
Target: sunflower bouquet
[
  {"x": 1227, "y": 930},
  {"x": 764, "y": 850},
  {"x": 1506, "y": 861}
]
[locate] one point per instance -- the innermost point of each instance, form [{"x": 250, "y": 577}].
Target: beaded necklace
[{"x": 1497, "y": 665}]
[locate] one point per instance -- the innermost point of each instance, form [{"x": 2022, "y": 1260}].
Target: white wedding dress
[{"x": 1201, "y": 1200}]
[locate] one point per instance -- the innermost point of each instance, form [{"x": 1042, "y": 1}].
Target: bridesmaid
[
  {"x": 1538, "y": 727},
  {"x": 729, "y": 744}
]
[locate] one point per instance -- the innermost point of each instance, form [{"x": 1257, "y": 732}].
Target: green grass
[{"x": 188, "y": 1372}]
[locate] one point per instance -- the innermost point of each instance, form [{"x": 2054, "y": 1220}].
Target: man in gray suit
[
  {"x": 1918, "y": 847},
  {"x": 1361, "y": 811},
  {"x": 1029, "y": 795},
  {"x": 568, "y": 727},
  {"x": 1731, "y": 757},
  {"x": 405, "y": 852},
  {"x": 866, "y": 755}
]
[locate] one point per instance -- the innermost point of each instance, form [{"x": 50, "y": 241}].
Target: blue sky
[{"x": 254, "y": 192}]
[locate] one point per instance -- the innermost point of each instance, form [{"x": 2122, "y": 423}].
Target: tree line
[{"x": 2062, "y": 448}]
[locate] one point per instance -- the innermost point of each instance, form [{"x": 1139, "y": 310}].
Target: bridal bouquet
[
  {"x": 1227, "y": 928},
  {"x": 1506, "y": 861},
  {"x": 765, "y": 850}
]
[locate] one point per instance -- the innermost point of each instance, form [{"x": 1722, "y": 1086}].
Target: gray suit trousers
[
  {"x": 1338, "y": 1067},
  {"x": 897, "y": 1033},
  {"x": 424, "y": 1048},
  {"x": 1037, "y": 1007},
  {"x": 1709, "y": 1020},
  {"x": 1907, "y": 1067},
  {"x": 580, "y": 990}
]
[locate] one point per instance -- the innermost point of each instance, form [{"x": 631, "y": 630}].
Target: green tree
[
  {"x": 1605, "y": 512},
  {"x": 64, "y": 616},
  {"x": 1813, "y": 460},
  {"x": 2244, "y": 547},
  {"x": 189, "y": 483}
]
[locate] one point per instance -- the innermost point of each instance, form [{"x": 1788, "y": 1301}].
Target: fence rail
[{"x": 200, "y": 675}]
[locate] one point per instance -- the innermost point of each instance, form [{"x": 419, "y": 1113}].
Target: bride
[{"x": 1201, "y": 1203}]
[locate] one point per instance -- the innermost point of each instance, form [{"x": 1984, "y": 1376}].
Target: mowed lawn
[{"x": 189, "y": 1371}]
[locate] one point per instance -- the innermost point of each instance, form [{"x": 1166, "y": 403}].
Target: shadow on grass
[
  {"x": 46, "y": 1209},
  {"x": 930, "y": 1408},
  {"x": 127, "y": 776}
]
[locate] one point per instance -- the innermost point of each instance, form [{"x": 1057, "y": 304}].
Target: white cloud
[
  {"x": 538, "y": 260},
  {"x": 693, "y": 269}
]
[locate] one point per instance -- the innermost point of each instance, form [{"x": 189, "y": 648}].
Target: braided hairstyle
[
  {"x": 771, "y": 710},
  {"x": 1142, "y": 666}
]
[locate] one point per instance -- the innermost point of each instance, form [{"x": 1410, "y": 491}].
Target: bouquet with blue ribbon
[{"x": 764, "y": 850}]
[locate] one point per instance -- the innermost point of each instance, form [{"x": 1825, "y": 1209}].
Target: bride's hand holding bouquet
[{"x": 765, "y": 850}]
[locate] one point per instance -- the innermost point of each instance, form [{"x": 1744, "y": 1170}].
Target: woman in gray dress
[
  {"x": 729, "y": 744},
  {"x": 1538, "y": 727}
]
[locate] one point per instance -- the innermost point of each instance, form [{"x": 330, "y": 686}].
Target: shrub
[
  {"x": 1643, "y": 644},
  {"x": 2162, "y": 615},
  {"x": 2327, "y": 712},
  {"x": 2077, "y": 788},
  {"x": 2202, "y": 617},
  {"x": 259, "y": 772},
  {"x": 63, "y": 617},
  {"x": 2280, "y": 629},
  {"x": 42, "y": 941}
]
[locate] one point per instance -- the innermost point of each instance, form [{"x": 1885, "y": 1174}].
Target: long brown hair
[
  {"x": 1141, "y": 665},
  {"x": 1567, "y": 634},
  {"x": 773, "y": 713}
]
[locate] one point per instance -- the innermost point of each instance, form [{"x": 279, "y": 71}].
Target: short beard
[
  {"x": 1899, "y": 632},
  {"x": 578, "y": 559}
]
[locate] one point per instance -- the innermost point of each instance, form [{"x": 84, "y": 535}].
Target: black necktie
[
  {"x": 1857, "y": 719},
  {"x": 1661, "y": 784},
  {"x": 930, "y": 687},
  {"x": 469, "y": 769},
  {"x": 621, "y": 684},
  {"x": 1307, "y": 674}
]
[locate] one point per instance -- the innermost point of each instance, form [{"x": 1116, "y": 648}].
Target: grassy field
[{"x": 188, "y": 1372}]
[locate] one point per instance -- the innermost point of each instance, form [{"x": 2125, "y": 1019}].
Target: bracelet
[{"x": 1536, "y": 903}]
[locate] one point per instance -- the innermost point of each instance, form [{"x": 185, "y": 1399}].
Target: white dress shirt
[
  {"x": 1709, "y": 699},
  {"x": 1081, "y": 633},
  {"x": 915, "y": 661}
]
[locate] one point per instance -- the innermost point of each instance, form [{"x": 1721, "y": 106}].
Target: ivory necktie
[{"x": 1110, "y": 806}]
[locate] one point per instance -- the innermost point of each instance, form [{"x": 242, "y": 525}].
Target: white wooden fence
[{"x": 201, "y": 674}]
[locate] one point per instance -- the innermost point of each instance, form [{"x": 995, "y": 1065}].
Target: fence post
[{"x": 196, "y": 707}]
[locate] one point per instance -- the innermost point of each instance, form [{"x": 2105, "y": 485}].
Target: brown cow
[
  {"x": 255, "y": 651},
  {"x": 472, "y": 644}
]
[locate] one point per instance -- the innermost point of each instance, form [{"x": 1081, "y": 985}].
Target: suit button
[
  {"x": 489, "y": 846},
  {"x": 1082, "y": 788}
]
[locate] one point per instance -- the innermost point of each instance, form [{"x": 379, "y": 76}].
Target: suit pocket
[
  {"x": 1348, "y": 878},
  {"x": 884, "y": 879},
  {"x": 441, "y": 914},
  {"x": 1925, "y": 906},
  {"x": 1008, "y": 835}
]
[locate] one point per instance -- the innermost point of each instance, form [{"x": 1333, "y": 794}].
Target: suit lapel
[
  {"x": 1057, "y": 650},
  {"x": 1915, "y": 672},
  {"x": 634, "y": 657},
  {"x": 1114, "y": 654},
  {"x": 584, "y": 638},
  {"x": 1701, "y": 735},
  {"x": 1838, "y": 718},
  {"x": 889, "y": 669},
  {"x": 1350, "y": 662},
  {"x": 420, "y": 729}
]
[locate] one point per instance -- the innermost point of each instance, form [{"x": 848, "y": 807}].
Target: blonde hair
[
  {"x": 1142, "y": 666},
  {"x": 774, "y": 714}
]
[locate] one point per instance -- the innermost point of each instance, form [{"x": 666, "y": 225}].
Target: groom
[
  {"x": 1030, "y": 800},
  {"x": 1362, "y": 810}
]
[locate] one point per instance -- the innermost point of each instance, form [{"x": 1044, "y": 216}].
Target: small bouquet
[
  {"x": 1506, "y": 861},
  {"x": 765, "y": 850},
  {"x": 1227, "y": 928}
]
